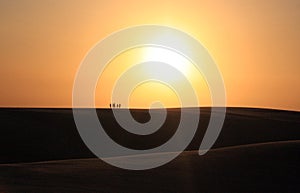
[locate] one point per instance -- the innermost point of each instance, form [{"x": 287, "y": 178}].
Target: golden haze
[{"x": 255, "y": 44}]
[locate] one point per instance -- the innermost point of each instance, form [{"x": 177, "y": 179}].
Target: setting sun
[
  {"x": 169, "y": 57},
  {"x": 150, "y": 90}
]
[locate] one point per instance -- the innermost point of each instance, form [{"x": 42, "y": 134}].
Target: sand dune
[
  {"x": 257, "y": 151},
  {"x": 265, "y": 167},
  {"x": 50, "y": 134}
]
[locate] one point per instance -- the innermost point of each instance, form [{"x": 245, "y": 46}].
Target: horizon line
[{"x": 140, "y": 108}]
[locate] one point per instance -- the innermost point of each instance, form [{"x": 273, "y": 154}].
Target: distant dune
[{"x": 258, "y": 150}]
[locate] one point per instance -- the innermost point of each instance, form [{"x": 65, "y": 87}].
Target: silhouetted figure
[{"x": 114, "y": 105}]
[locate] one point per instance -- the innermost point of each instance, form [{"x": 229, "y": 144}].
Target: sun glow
[
  {"x": 169, "y": 57},
  {"x": 145, "y": 94}
]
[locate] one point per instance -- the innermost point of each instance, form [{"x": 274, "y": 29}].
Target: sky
[{"x": 254, "y": 43}]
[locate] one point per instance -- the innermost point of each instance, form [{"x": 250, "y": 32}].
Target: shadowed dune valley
[{"x": 257, "y": 151}]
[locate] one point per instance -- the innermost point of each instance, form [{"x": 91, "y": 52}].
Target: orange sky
[{"x": 255, "y": 44}]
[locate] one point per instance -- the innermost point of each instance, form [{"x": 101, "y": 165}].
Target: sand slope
[
  {"x": 266, "y": 167},
  {"x": 258, "y": 150},
  {"x": 28, "y": 135}
]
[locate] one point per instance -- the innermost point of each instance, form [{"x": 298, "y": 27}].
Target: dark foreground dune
[
  {"x": 29, "y": 135},
  {"x": 266, "y": 167},
  {"x": 258, "y": 150}
]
